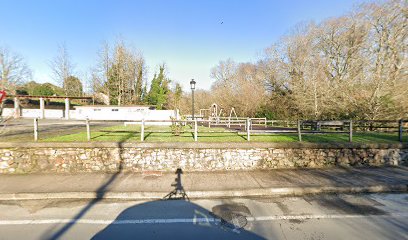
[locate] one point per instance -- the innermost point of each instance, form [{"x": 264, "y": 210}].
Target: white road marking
[
  {"x": 106, "y": 222},
  {"x": 189, "y": 220},
  {"x": 324, "y": 216}
]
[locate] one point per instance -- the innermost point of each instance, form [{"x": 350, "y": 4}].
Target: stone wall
[{"x": 112, "y": 157}]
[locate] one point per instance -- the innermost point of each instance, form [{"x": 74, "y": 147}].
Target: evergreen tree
[
  {"x": 73, "y": 86},
  {"x": 159, "y": 90},
  {"x": 43, "y": 90}
]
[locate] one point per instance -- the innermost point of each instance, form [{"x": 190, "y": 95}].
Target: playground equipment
[
  {"x": 230, "y": 117},
  {"x": 211, "y": 112},
  {"x": 217, "y": 116},
  {"x": 214, "y": 111}
]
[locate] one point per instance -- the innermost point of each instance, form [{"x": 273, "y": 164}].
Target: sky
[{"x": 190, "y": 37}]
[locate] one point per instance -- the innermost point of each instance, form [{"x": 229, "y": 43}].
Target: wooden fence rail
[{"x": 337, "y": 126}]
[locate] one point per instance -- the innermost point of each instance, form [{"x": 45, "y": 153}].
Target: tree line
[
  {"x": 118, "y": 78},
  {"x": 352, "y": 66}
]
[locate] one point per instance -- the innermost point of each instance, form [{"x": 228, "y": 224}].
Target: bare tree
[
  {"x": 224, "y": 71},
  {"x": 62, "y": 68},
  {"x": 387, "y": 51},
  {"x": 235, "y": 86},
  {"x": 13, "y": 70},
  {"x": 354, "y": 66},
  {"x": 100, "y": 73},
  {"x": 120, "y": 74}
]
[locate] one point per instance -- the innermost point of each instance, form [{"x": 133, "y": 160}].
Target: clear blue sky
[{"x": 187, "y": 35}]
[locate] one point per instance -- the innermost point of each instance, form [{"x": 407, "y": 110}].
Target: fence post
[
  {"x": 400, "y": 130},
  {"x": 36, "y": 129},
  {"x": 351, "y": 131},
  {"x": 88, "y": 130},
  {"x": 209, "y": 122},
  {"x": 142, "y": 126},
  {"x": 298, "y": 130},
  {"x": 17, "y": 109},
  {"x": 195, "y": 130},
  {"x": 247, "y": 125},
  {"x": 266, "y": 123}
]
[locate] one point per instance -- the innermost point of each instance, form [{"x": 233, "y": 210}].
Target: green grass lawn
[{"x": 121, "y": 133}]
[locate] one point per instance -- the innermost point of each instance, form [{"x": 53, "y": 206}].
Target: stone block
[
  {"x": 43, "y": 163},
  {"x": 4, "y": 165}
]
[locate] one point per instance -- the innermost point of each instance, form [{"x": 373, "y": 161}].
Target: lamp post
[{"x": 192, "y": 85}]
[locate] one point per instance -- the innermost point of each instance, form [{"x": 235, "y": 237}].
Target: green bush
[{"x": 177, "y": 128}]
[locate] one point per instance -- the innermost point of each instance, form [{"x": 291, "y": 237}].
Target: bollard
[
  {"x": 247, "y": 126},
  {"x": 298, "y": 130},
  {"x": 88, "y": 130},
  {"x": 195, "y": 130},
  {"x": 142, "y": 130},
  {"x": 351, "y": 131},
  {"x": 36, "y": 129},
  {"x": 400, "y": 129}
]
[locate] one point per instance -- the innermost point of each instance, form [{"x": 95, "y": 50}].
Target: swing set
[{"x": 215, "y": 116}]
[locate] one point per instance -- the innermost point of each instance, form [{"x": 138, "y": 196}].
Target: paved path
[
  {"x": 21, "y": 130},
  {"x": 203, "y": 184},
  {"x": 338, "y": 216}
]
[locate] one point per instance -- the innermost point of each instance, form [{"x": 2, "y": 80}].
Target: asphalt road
[
  {"x": 369, "y": 216},
  {"x": 23, "y": 129}
]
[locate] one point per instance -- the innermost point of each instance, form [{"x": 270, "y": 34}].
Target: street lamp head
[{"x": 192, "y": 84}]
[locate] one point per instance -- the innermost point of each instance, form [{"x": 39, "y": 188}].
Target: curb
[{"x": 260, "y": 192}]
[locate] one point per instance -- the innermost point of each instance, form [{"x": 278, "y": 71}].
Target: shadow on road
[
  {"x": 175, "y": 219},
  {"x": 178, "y": 193},
  {"x": 53, "y": 234}
]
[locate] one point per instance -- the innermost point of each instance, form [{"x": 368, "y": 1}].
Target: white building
[
  {"x": 94, "y": 112},
  {"x": 127, "y": 113}
]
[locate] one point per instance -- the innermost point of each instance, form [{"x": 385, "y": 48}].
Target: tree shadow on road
[{"x": 51, "y": 234}]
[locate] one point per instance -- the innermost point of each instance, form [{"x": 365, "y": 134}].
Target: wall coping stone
[{"x": 202, "y": 145}]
